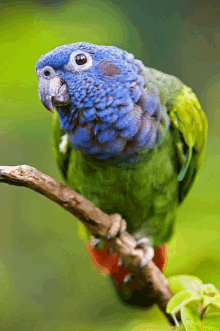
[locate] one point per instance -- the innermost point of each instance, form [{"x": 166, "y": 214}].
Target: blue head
[{"x": 98, "y": 92}]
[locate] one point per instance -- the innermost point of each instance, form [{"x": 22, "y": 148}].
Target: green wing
[{"x": 189, "y": 127}]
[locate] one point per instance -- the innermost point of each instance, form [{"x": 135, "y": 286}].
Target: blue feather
[
  {"x": 150, "y": 105},
  {"x": 106, "y": 135},
  {"x": 135, "y": 93},
  {"x": 88, "y": 104},
  {"x": 89, "y": 112},
  {"x": 101, "y": 105},
  {"x": 110, "y": 118},
  {"x": 106, "y": 111},
  {"x": 81, "y": 138}
]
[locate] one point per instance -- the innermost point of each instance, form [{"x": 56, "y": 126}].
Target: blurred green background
[{"x": 46, "y": 279}]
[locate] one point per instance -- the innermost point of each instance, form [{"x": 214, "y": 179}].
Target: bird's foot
[
  {"x": 145, "y": 252},
  {"x": 95, "y": 241},
  {"x": 118, "y": 226},
  {"x": 148, "y": 251}
]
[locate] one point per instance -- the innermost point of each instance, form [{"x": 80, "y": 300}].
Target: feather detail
[{"x": 185, "y": 165}]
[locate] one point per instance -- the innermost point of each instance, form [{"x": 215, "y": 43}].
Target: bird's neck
[{"x": 119, "y": 131}]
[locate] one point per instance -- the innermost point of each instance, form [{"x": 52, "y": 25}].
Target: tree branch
[{"x": 96, "y": 221}]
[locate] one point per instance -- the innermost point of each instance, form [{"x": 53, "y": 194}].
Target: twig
[{"x": 96, "y": 221}]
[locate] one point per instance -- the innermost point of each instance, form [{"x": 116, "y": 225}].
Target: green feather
[
  {"x": 189, "y": 127},
  {"x": 185, "y": 165}
]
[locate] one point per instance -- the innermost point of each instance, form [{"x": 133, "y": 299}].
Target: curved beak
[{"x": 53, "y": 92}]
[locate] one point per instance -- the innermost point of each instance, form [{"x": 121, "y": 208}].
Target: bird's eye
[
  {"x": 46, "y": 73},
  {"x": 80, "y": 59}
]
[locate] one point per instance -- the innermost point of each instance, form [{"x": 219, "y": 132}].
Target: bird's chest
[
  {"x": 98, "y": 144},
  {"x": 130, "y": 190}
]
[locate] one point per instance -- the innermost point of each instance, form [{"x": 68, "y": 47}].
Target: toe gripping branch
[
  {"x": 118, "y": 226},
  {"x": 108, "y": 261}
]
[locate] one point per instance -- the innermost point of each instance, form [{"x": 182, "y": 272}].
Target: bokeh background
[{"x": 46, "y": 279}]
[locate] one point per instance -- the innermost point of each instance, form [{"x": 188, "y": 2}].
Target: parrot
[{"x": 129, "y": 138}]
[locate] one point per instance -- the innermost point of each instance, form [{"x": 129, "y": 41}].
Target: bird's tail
[{"x": 129, "y": 292}]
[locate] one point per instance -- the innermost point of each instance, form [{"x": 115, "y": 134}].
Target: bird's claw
[
  {"x": 128, "y": 278},
  {"x": 145, "y": 245},
  {"x": 118, "y": 226},
  {"x": 143, "y": 241},
  {"x": 147, "y": 256},
  {"x": 111, "y": 250},
  {"x": 120, "y": 263},
  {"x": 94, "y": 241}
]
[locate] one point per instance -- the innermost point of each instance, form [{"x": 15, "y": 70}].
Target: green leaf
[
  {"x": 210, "y": 290},
  {"x": 206, "y": 301},
  {"x": 191, "y": 318},
  {"x": 216, "y": 303},
  {"x": 211, "y": 322},
  {"x": 210, "y": 293},
  {"x": 179, "y": 299},
  {"x": 183, "y": 282}
]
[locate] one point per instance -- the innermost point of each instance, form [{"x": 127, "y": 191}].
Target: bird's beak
[{"x": 53, "y": 92}]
